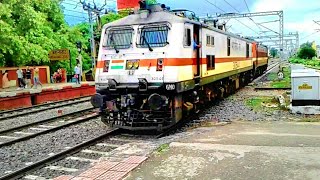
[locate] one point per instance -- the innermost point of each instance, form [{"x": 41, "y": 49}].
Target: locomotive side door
[{"x": 197, "y": 51}]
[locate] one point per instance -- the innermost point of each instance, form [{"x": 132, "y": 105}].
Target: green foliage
[
  {"x": 31, "y": 28},
  {"x": 112, "y": 17},
  {"x": 313, "y": 63},
  {"x": 256, "y": 103},
  {"x": 285, "y": 82},
  {"x": 306, "y": 52},
  {"x": 274, "y": 52},
  {"x": 307, "y": 44},
  {"x": 150, "y": 2},
  {"x": 163, "y": 148}
]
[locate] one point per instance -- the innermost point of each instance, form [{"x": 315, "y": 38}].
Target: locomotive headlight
[
  {"x": 132, "y": 64},
  {"x": 136, "y": 64},
  {"x": 129, "y": 64}
]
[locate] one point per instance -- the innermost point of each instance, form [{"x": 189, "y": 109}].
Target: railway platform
[
  {"x": 241, "y": 150},
  {"x": 13, "y": 98}
]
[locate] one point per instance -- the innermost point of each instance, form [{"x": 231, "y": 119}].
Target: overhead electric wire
[
  {"x": 240, "y": 12},
  {"x": 75, "y": 16},
  {"x": 269, "y": 22},
  {"x": 310, "y": 35},
  {"x": 258, "y": 25},
  {"x": 247, "y": 5},
  {"x": 235, "y": 19},
  {"x": 81, "y": 12},
  {"x": 64, "y": 2}
]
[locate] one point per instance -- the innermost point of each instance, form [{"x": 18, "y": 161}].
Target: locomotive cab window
[
  {"x": 187, "y": 37},
  {"x": 247, "y": 50},
  {"x": 153, "y": 36},
  {"x": 228, "y": 46},
  {"x": 212, "y": 41},
  {"x": 211, "y": 62},
  {"x": 118, "y": 38},
  {"x": 208, "y": 40}
]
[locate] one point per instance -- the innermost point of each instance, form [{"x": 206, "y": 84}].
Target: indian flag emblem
[{"x": 117, "y": 64}]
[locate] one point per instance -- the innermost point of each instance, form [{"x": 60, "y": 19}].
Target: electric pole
[{"x": 92, "y": 9}]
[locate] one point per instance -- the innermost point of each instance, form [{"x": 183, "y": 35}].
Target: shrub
[{"x": 307, "y": 52}]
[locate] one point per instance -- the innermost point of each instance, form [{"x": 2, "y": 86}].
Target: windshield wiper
[
  {"x": 145, "y": 40},
  {"x": 114, "y": 44}
]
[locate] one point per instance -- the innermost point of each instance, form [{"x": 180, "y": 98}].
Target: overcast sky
[{"x": 298, "y": 14}]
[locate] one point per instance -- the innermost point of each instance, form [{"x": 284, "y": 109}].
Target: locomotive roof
[
  {"x": 154, "y": 17},
  {"x": 163, "y": 16}
]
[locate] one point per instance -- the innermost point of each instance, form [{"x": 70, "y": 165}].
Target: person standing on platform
[
  {"x": 36, "y": 77},
  {"x": 28, "y": 77},
  {"x": 77, "y": 74},
  {"x": 5, "y": 80},
  {"x": 20, "y": 78}
]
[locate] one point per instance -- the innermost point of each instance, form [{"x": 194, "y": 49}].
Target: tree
[
  {"x": 110, "y": 17},
  {"x": 274, "y": 52},
  {"x": 306, "y": 51},
  {"x": 29, "y": 29},
  {"x": 151, "y": 2}
]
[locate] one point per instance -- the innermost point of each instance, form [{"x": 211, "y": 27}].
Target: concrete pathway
[{"x": 241, "y": 150}]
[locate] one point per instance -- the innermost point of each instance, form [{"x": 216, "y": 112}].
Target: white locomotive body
[{"x": 152, "y": 70}]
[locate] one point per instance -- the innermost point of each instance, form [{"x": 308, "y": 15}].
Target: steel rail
[
  {"x": 40, "y": 105},
  {"x": 40, "y": 110},
  {"x": 19, "y": 139},
  {"x": 44, "y": 121},
  {"x": 61, "y": 155},
  {"x": 86, "y": 118}
]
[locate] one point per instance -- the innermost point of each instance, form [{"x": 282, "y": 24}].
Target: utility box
[{"x": 305, "y": 91}]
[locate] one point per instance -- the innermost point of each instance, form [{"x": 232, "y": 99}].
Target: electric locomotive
[{"x": 157, "y": 66}]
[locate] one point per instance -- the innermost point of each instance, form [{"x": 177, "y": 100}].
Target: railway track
[
  {"x": 269, "y": 69},
  {"x": 4, "y": 115},
  {"x": 33, "y": 129},
  {"x": 66, "y": 154}
]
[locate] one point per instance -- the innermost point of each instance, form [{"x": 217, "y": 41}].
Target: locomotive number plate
[
  {"x": 170, "y": 87},
  {"x": 157, "y": 78},
  {"x": 131, "y": 73}
]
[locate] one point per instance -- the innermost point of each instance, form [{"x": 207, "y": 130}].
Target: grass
[
  {"x": 313, "y": 63},
  {"x": 284, "y": 83},
  {"x": 163, "y": 148},
  {"x": 256, "y": 103},
  {"x": 281, "y": 84},
  {"x": 272, "y": 76}
]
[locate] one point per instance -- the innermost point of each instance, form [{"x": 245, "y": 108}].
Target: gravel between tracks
[
  {"x": 18, "y": 121},
  {"x": 234, "y": 108},
  {"x": 15, "y": 156}
]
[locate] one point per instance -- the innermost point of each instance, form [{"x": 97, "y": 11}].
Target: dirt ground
[{"x": 241, "y": 150}]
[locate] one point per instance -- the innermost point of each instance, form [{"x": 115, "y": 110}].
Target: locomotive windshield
[
  {"x": 153, "y": 36},
  {"x": 118, "y": 38}
]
